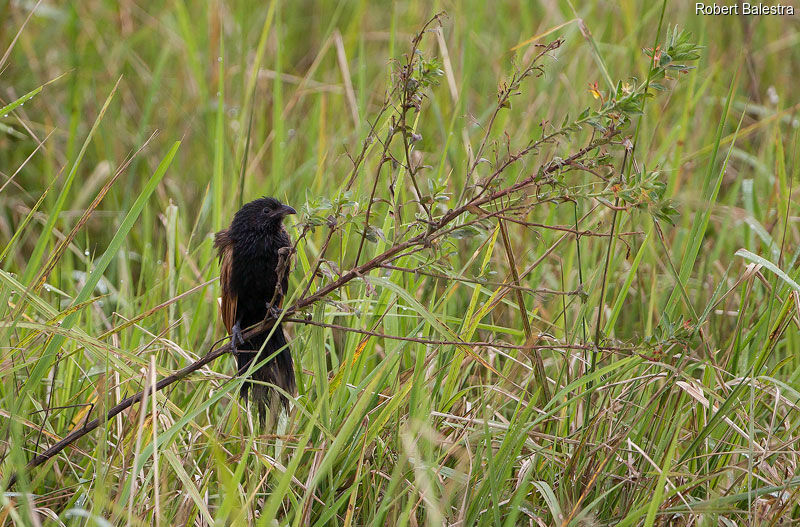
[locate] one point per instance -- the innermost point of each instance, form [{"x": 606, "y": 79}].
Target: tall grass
[{"x": 131, "y": 132}]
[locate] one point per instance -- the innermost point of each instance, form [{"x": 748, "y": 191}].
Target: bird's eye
[{"x": 265, "y": 210}]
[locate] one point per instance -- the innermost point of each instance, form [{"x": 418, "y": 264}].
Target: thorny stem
[
  {"x": 404, "y": 83},
  {"x": 357, "y": 162},
  {"x": 503, "y": 100},
  {"x": 382, "y": 161}
]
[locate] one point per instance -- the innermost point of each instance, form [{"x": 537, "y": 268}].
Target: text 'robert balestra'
[{"x": 743, "y": 9}]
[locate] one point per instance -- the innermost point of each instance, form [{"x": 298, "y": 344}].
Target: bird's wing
[{"x": 224, "y": 245}]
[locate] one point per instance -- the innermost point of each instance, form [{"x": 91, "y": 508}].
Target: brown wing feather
[{"x": 222, "y": 242}]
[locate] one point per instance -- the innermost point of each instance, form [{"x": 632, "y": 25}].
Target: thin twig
[{"x": 541, "y": 375}]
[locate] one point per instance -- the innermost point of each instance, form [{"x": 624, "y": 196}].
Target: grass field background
[{"x": 671, "y": 349}]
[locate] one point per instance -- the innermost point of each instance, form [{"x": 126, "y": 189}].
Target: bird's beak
[{"x": 286, "y": 210}]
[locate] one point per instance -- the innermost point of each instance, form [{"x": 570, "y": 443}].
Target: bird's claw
[
  {"x": 236, "y": 337},
  {"x": 273, "y": 312}
]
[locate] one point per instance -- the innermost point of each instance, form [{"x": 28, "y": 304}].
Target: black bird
[{"x": 254, "y": 258}]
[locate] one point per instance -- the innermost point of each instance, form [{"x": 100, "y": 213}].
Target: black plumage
[{"x": 253, "y": 251}]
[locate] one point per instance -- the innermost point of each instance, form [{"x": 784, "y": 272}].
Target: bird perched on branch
[{"x": 254, "y": 259}]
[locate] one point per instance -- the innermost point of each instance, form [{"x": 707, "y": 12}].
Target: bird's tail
[{"x": 279, "y": 371}]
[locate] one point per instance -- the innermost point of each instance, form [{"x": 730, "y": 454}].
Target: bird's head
[{"x": 264, "y": 212}]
